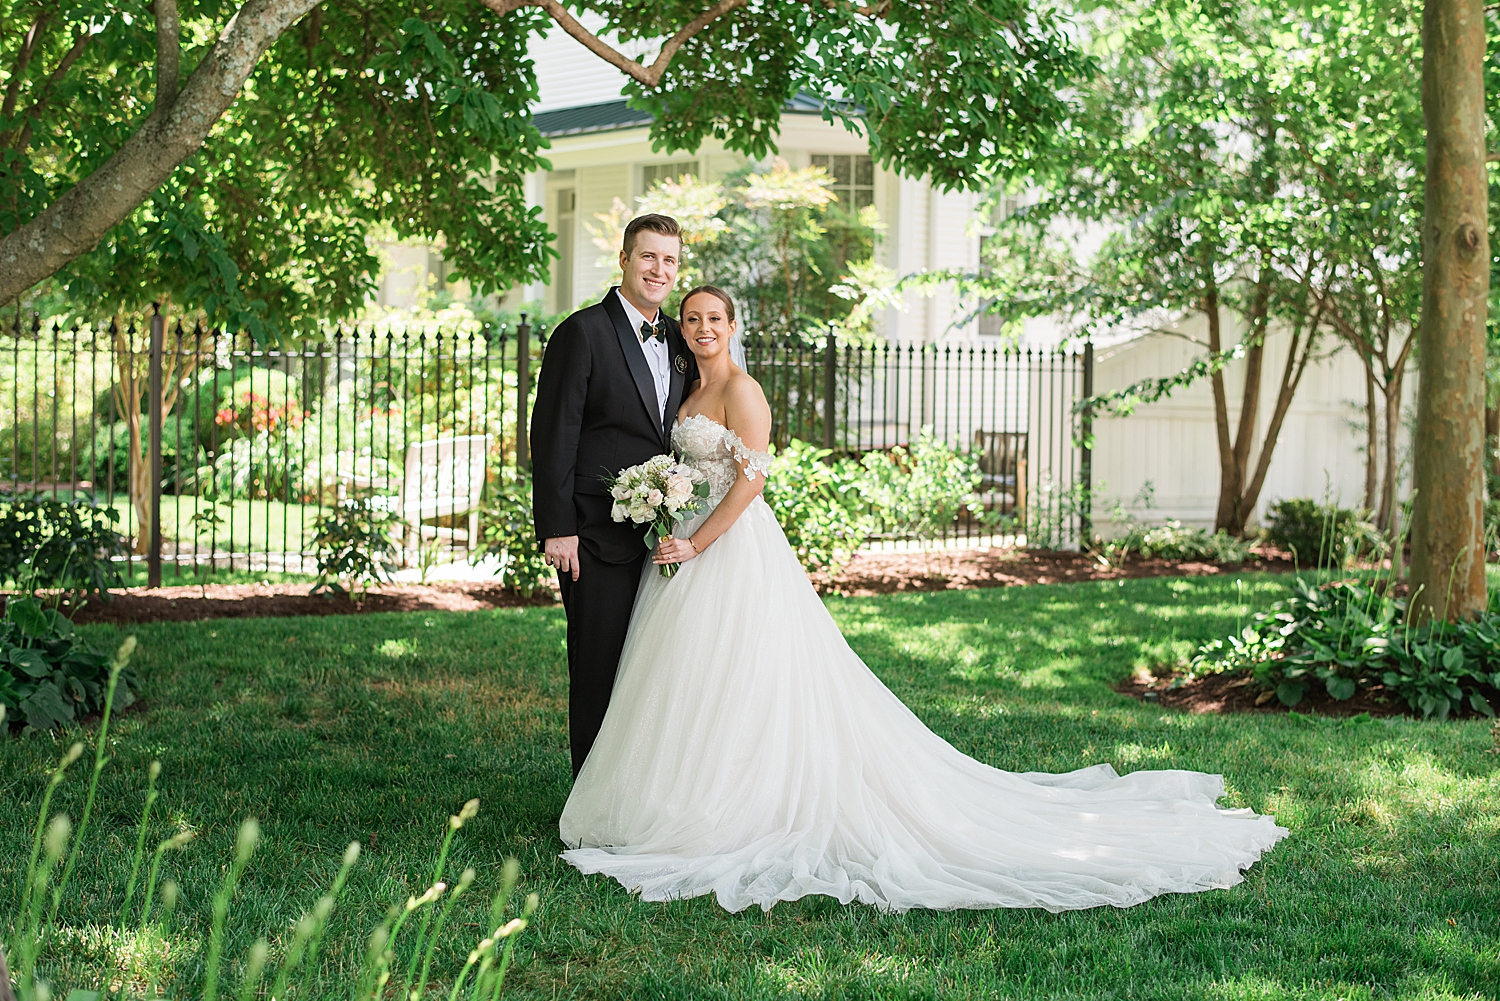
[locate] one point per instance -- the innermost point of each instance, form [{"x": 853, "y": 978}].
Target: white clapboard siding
[{"x": 1172, "y": 444}]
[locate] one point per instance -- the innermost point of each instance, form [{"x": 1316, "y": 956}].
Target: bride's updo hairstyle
[{"x": 714, "y": 291}]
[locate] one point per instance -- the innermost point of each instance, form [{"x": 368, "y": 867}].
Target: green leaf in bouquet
[{"x": 652, "y": 537}]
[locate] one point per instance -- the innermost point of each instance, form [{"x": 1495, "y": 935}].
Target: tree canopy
[{"x": 250, "y": 189}]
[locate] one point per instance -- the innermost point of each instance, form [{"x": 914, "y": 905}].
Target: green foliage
[
  {"x": 354, "y": 544},
  {"x": 50, "y": 675},
  {"x": 1347, "y": 635},
  {"x": 918, "y": 491},
  {"x": 488, "y": 961},
  {"x": 820, "y": 505},
  {"x": 1321, "y": 535},
  {"x": 71, "y": 545},
  {"x": 510, "y": 535},
  {"x": 1172, "y": 541}
]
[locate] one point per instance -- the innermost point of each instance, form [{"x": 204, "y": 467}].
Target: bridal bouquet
[{"x": 661, "y": 491}]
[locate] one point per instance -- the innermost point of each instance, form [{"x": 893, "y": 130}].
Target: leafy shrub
[
  {"x": 510, "y": 534},
  {"x": 70, "y": 545},
  {"x": 1172, "y": 541},
  {"x": 918, "y": 492},
  {"x": 819, "y": 505},
  {"x": 354, "y": 543},
  {"x": 1347, "y": 636},
  {"x": 48, "y": 674},
  {"x": 1322, "y": 535},
  {"x": 56, "y": 851}
]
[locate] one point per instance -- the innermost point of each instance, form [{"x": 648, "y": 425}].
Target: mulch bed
[
  {"x": 245, "y": 601},
  {"x": 944, "y": 570},
  {"x": 868, "y": 574},
  {"x": 1234, "y": 693}
]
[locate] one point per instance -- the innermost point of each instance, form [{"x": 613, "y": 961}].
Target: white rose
[
  {"x": 620, "y": 491},
  {"x": 681, "y": 489},
  {"x": 654, "y": 498}
]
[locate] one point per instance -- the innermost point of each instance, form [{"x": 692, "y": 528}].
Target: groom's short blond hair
[{"x": 651, "y": 222}]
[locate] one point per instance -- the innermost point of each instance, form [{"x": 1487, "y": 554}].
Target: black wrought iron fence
[
  {"x": 253, "y": 445},
  {"x": 1011, "y": 410},
  {"x": 256, "y": 444}
]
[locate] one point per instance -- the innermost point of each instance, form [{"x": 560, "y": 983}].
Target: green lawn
[{"x": 378, "y": 727}]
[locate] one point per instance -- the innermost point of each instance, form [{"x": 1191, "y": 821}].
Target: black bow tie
[{"x": 650, "y": 330}]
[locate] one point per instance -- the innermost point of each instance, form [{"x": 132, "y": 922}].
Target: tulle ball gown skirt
[{"x": 749, "y": 753}]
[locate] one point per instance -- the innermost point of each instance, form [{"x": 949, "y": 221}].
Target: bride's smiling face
[{"x": 706, "y": 325}]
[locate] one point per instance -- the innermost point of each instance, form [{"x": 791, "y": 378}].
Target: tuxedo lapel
[
  {"x": 635, "y": 358},
  {"x": 678, "y": 358}
]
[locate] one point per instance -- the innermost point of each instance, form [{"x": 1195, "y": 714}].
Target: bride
[{"x": 749, "y": 753}]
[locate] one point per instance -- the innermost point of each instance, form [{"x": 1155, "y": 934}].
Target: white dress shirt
[{"x": 655, "y": 352}]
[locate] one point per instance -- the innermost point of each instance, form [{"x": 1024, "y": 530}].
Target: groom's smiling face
[{"x": 650, "y": 271}]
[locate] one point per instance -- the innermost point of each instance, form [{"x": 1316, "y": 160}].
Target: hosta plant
[{"x": 49, "y": 675}]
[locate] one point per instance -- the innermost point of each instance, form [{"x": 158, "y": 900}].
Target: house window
[
  {"x": 562, "y": 268},
  {"x": 853, "y": 178},
  {"x": 652, "y": 173}
]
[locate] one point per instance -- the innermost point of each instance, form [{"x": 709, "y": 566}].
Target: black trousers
[{"x": 598, "y": 604}]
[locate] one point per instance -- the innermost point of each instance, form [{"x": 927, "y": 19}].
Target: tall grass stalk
[
  {"x": 465, "y": 880},
  {"x": 71, "y": 755},
  {"x": 28, "y": 946},
  {"x": 179, "y": 840},
  {"x": 308, "y": 934},
  {"x": 153, "y": 773},
  {"x": 455, "y": 823},
  {"x": 118, "y": 663},
  {"x": 244, "y": 847}
]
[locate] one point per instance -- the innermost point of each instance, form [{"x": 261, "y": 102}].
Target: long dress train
[{"x": 748, "y": 752}]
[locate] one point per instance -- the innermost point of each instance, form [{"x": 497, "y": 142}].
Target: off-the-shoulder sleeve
[{"x": 754, "y": 462}]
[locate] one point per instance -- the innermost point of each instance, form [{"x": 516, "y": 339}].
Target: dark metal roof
[
  {"x": 619, "y": 115},
  {"x": 591, "y": 118}
]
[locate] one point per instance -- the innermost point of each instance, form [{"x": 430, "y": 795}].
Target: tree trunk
[
  {"x": 1387, "y": 521},
  {"x": 1372, "y": 436},
  {"x": 1447, "y": 532},
  {"x": 1492, "y": 441}
]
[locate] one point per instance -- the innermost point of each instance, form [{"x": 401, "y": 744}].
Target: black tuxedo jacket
[{"x": 595, "y": 414}]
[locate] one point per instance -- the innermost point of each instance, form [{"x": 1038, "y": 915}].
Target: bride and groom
[{"x": 725, "y": 737}]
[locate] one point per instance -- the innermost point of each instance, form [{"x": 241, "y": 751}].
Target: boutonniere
[{"x": 680, "y": 364}]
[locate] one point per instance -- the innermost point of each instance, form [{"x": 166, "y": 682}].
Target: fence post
[
  {"x": 523, "y": 388},
  {"x": 1086, "y": 457},
  {"x": 831, "y": 390},
  {"x": 154, "y": 418}
]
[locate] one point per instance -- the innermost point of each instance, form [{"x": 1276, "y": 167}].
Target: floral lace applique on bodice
[{"x": 709, "y": 446}]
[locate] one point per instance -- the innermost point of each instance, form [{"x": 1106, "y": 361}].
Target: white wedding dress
[{"x": 748, "y": 752}]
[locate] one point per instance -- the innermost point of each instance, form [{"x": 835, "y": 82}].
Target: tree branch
[
  {"x": 168, "y": 52},
  {"x": 646, "y": 76},
  {"x": 76, "y": 221},
  {"x": 23, "y": 59}
]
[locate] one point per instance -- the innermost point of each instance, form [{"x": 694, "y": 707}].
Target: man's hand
[{"x": 562, "y": 553}]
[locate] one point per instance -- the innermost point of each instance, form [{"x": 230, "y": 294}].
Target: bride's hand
[{"x": 673, "y": 550}]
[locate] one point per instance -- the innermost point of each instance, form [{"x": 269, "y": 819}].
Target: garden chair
[
  {"x": 1002, "y": 464},
  {"x": 443, "y": 480}
]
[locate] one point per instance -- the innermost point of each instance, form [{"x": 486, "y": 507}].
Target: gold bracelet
[{"x": 696, "y": 550}]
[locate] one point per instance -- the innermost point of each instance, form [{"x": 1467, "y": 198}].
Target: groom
[{"x": 611, "y": 381}]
